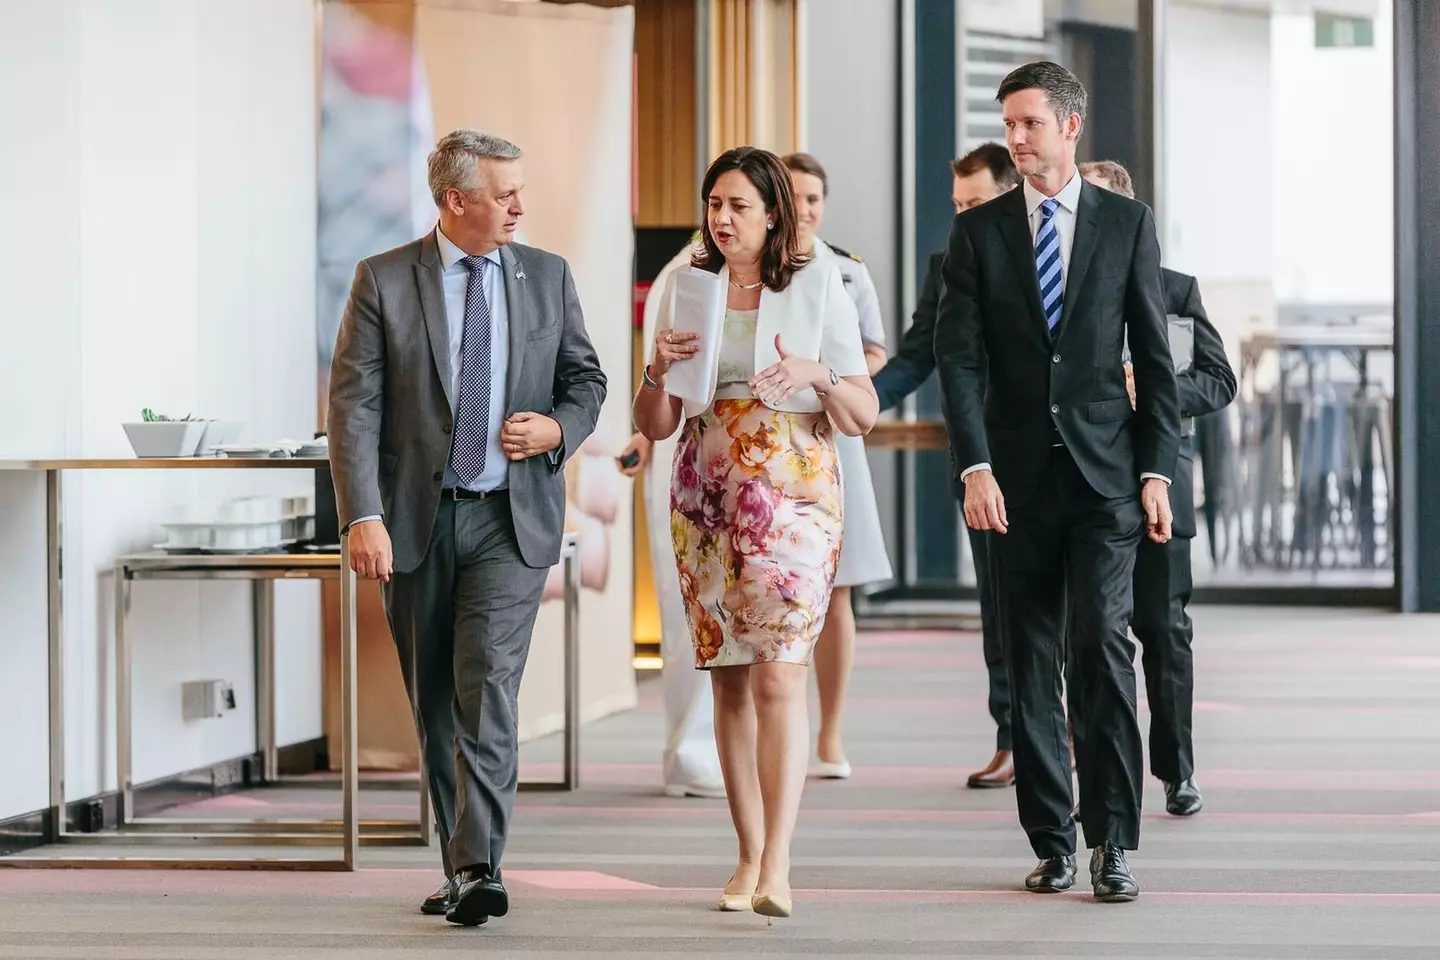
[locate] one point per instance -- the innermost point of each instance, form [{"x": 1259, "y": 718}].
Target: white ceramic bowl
[{"x": 166, "y": 438}]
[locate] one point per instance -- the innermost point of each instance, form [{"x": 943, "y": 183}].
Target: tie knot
[
  {"x": 473, "y": 264},
  {"x": 1049, "y": 206}
]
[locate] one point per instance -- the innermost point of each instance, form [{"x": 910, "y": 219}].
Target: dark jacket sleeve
[
  {"x": 1209, "y": 384},
  {"x": 960, "y": 351},
  {"x": 579, "y": 382},
  {"x": 903, "y": 374},
  {"x": 1157, "y": 402}
]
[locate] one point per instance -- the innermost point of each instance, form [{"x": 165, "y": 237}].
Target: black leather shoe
[
  {"x": 1052, "y": 875},
  {"x": 438, "y": 903},
  {"x": 480, "y": 897},
  {"x": 1110, "y": 875},
  {"x": 1183, "y": 799}
]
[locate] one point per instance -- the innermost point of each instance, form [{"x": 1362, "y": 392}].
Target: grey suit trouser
[{"x": 462, "y": 622}]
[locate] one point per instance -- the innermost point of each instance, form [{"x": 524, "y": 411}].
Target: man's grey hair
[
  {"x": 1061, "y": 87},
  {"x": 455, "y": 162}
]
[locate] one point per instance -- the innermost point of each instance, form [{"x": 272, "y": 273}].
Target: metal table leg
[
  {"x": 54, "y": 529},
  {"x": 263, "y": 612},
  {"x": 124, "y": 781},
  {"x": 349, "y": 748},
  {"x": 572, "y": 669}
]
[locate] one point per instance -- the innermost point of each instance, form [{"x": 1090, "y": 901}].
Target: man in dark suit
[
  {"x": 1041, "y": 288},
  {"x": 1162, "y": 571},
  {"x": 980, "y": 176},
  {"x": 462, "y": 381}
]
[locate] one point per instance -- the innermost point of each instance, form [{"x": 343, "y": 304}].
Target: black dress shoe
[
  {"x": 1052, "y": 875},
  {"x": 1110, "y": 875},
  {"x": 1183, "y": 799},
  {"x": 480, "y": 897},
  {"x": 438, "y": 903}
]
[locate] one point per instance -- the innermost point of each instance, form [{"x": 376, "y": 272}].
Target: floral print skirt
[{"x": 756, "y": 515}]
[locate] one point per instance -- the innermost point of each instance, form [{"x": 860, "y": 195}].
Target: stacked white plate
[{"x": 243, "y": 525}]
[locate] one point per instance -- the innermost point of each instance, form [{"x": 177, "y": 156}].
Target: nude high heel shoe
[
  {"x": 734, "y": 902},
  {"x": 771, "y": 907}
]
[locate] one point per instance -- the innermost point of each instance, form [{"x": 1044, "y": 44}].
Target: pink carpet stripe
[{"x": 575, "y": 880}]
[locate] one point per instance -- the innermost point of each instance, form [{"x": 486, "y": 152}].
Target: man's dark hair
[
  {"x": 989, "y": 156},
  {"x": 1061, "y": 87}
]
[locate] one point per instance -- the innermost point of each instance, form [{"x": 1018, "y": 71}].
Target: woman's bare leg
[
  {"x": 735, "y": 736},
  {"x": 782, "y": 751},
  {"x": 834, "y": 657}
]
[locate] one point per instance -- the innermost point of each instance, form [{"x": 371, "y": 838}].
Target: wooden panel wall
[{"x": 667, "y": 165}]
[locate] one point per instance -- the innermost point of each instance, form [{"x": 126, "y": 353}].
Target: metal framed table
[{"x": 349, "y": 831}]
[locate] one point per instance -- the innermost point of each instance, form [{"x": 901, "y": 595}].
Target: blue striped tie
[
  {"x": 472, "y": 407},
  {"x": 1047, "y": 264}
]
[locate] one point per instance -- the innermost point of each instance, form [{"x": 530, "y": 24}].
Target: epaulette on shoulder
[{"x": 843, "y": 253}]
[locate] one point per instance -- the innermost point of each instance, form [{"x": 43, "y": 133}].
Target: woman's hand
[
  {"x": 776, "y": 383},
  {"x": 671, "y": 346}
]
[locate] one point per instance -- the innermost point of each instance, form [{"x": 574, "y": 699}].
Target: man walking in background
[
  {"x": 979, "y": 177},
  {"x": 1163, "y": 582}
]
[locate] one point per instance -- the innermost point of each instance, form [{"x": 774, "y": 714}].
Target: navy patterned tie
[
  {"x": 472, "y": 407},
  {"x": 1047, "y": 264}
]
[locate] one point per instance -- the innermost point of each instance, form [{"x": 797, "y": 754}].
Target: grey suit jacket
[{"x": 390, "y": 413}]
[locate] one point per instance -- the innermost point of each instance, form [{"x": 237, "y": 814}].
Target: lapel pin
[{"x": 520, "y": 274}]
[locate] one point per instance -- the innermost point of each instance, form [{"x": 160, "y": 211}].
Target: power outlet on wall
[{"x": 204, "y": 699}]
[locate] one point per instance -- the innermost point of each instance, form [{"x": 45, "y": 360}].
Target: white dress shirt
[{"x": 1064, "y": 220}]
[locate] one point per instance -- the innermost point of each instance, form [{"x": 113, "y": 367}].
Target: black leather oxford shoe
[
  {"x": 1110, "y": 875},
  {"x": 1052, "y": 875},
  {"x": 1183, "y": 799},
  {"x": 480, "y": 897},
  {"x": 438, "y": 903}
]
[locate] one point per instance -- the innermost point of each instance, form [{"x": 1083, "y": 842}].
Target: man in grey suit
[{"x": 462, "y": 380}]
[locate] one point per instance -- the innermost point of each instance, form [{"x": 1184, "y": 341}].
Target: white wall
[
  {"x": 158, "y": 250},
  {"x": 1333, "y": 129},
  {"x": 1218, "y": 143}
]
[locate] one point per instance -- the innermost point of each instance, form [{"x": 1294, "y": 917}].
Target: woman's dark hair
[
  {"x": 805, "y": 163},
  {"x": 781, "y": 256}
]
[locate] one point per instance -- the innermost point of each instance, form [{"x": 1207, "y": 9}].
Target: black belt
[{"x": 458, "y": 493}]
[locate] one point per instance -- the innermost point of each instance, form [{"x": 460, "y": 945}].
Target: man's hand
[
  {"x": 370, "y": 555},
  {"x": 1130, "y": 383},
  {"x": 526, "y": 434},
  {"x": 984, "y": 503},
  {"x": 1155, "y": 500},
  {"x": 641, "y": 447}
]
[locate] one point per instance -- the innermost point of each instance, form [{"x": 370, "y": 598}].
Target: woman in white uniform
[
  {"x": 863, "y": 558},
  {"x": 691, "y": 763}
]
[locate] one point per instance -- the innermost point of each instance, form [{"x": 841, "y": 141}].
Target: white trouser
[{"x": 690, "y": 755}]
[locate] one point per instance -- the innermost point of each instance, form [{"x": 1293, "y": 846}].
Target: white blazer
[{"x": 814, "y": 318}]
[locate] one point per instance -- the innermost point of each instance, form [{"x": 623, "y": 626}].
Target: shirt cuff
[
  {"x": 969, "y": 470},
  {"x": 1157, "y": 476},
  {"x": 374, "y": 516}
]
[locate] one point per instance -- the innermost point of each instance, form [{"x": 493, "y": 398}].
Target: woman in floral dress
[{"x": 756, "y": 499}]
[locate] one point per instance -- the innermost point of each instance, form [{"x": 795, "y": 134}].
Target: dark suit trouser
[
  {"x": 999, "y": 687},
  {"x": 1163, "y": 627},
  {"x": 462, "y": 622},
  {"x": 1069, "y": 543}
]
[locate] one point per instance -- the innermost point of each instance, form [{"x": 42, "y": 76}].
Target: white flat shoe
[
  {"x": 824, "y": 770},
  {"x": 702, "y": 790}
]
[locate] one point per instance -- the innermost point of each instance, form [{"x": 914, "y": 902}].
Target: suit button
[
  {"x": 1055, "y": 359},
  {"x": 446, "y": 428},
  {"x": 438, "y": 477},
  {"x": 1054, "y": 409}
]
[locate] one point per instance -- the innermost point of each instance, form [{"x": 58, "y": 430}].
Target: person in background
[
  {"x": 1162, "y": 570},
  {"x": 462, "y": 381},
  {"x": 980, "y": 176},
  {"x": 863, "y": 558},
  {"x": 756, "y": 503},
  {"x": 690, "y": 764}
]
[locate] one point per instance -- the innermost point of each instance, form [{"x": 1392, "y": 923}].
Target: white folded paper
[{"x": 698, "y": 307}]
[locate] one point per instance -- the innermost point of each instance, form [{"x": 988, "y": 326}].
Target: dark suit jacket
[
  {"x": 914, "y": 361},
  {"x": 390, "y": 414},
  {"x": 1208, "y": 386},
  {"x": 990, "y": 329}
]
